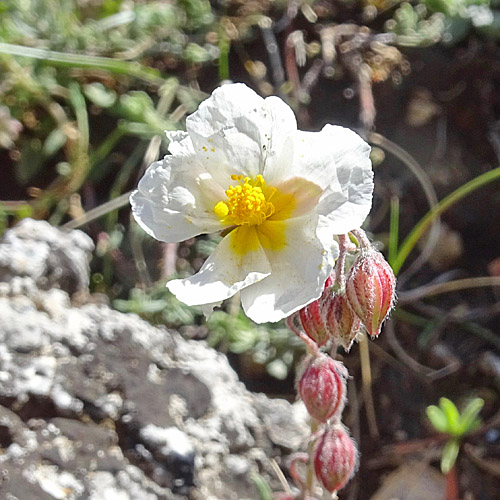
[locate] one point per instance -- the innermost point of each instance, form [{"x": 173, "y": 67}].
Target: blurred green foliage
[{"x": 446, "y": 419}]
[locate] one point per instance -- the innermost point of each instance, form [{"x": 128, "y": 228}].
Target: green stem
[
  {"x": 310, "y": 475},
  {"x": 422, "y": 226},
  {"x": 85, "y": 61}
]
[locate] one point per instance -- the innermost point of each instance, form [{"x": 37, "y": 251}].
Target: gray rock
[
  {"x": 48, "y": 256},
  {"x": 101, "y": 405}
]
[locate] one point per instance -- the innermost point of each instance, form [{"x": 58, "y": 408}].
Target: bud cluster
[
  {"x": 322, "y": 387},
  {"x": 363, "y": 298}
]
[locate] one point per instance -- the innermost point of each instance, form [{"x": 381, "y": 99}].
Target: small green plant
[{"x": 448, "y": 420}]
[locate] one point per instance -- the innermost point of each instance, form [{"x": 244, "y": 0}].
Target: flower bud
[
  {"x": 341, "y": 323},
  {"x": 335, "y": 458},
  {"x": 322, "y": 387},
  {"x": 311, "y": 318},
  {"x": 370, "y": 290}
]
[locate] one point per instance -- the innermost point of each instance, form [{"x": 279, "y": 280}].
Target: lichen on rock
[{"x": 101, "y": 405}]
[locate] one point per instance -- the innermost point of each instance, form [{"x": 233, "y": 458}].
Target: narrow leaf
[
  {"x": 438, "y": 418},
  {"x": 452, "y": 415},
  {"x": 469, "y": 418},
  {"x": 263, "y": 488},
  {"x": 449, "y": 457},
  {"x": 394, "y": 229}
]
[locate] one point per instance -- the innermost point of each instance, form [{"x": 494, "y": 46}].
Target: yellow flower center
[{"x": 248, "y": 202}]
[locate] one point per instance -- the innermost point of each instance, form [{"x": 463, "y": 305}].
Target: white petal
[
  {"x": 348, "y": 207},
  {"x": 337, "y": 160},
  {"x": 307, "y": 155},
  {"x": 222, "y": 275},
  {"x": 174, "y": 200},
  {"x": 180, "y": 142},
  {"x": 299, "y": 271},
  {"x": 240, "y": 129}
]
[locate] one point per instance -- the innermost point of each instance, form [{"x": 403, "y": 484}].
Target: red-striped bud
[
  {"x": 311, "y": 318},
  {"x": 335, "y": 458},
  {"x": 322, "y": 387},
  {"x": 370, "y": 290},
  {"x": 342, "y": 324}
]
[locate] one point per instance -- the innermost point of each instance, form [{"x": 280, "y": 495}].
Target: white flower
[{"x": 279, "y": 194}]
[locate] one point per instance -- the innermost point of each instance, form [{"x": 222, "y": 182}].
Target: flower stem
[
  {"x": 310, "y": 476},
  {"x": 363, "y": 240},
  {"x": 312, "y": 347},
  {"x": 340, "y": 265},
  {"x": 366, "y": 376}
]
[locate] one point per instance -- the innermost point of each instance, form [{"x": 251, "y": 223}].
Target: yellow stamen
[
  {"x": 246, "y": 203},
  {"x": 221, "y": 209}
]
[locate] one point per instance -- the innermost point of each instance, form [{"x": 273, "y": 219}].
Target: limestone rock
[{"x": 101, "y": 405}]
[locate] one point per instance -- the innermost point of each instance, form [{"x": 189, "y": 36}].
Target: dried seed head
[
  {"x": 322, "y": 387},
  {"x": 370, "y": 290},
  {"x": 335, "y": 458},
  {"x": 341, "y": 323}
]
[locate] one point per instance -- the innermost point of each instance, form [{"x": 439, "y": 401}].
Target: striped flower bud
[
  {"x": 370, "y": 290},
  {"x": 341, "y": 323},
  {"x": 322, "y": 387},
  {"x": 311, "y": 318},
  {"x": 335, "y": 458}
]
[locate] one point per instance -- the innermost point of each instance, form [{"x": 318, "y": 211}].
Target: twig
[
  {"x": 99, "y": 211},
  {"x": 428, "y": 374},
  {"x": 449, "y": 286},
  {"x": 366, "y": 101},
  {"x": 273, "y": 52},
  {"x": 430, "y": 194},
  {"x": 281, "y": 477},
  {"x": 139, "y": 258}
]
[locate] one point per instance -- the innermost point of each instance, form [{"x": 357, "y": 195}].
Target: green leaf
[
  {"x": 452, "y": 415},
  {"x": 262, "y": 487},
  {"x": 98, "y": 94},
  {"x": 469, "y": 419},
  {"x": 197, "y": 54},
  {"x": 449, "y": 457},
  {"x": 438, "y": 418},
  {"x": 24, "y": 211},
  {"x": 394, "y": 229},
  {"x": 136, "y": 105},
  {"x": 424, "y": 223},
  {"x": 54, "y": 142}
]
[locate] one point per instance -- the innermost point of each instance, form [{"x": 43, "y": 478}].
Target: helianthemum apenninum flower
[{"x": 278, "y": 194}]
